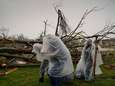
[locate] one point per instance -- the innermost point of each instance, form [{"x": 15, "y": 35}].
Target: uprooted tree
[{"x": 74, "y": 39}]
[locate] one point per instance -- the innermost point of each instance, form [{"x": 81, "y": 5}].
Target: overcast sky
[{"x": 27, "y": 16}]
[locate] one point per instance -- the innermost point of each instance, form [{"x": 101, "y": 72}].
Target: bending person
[{"x": 60, "y": 62}]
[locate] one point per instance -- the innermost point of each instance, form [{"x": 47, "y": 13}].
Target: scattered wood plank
[
  {"x": 10, "y": 70},
  {"x": 24, "y": 65}
]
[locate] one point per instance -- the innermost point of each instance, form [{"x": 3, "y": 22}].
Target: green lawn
[{"x": 28, "y": 76}]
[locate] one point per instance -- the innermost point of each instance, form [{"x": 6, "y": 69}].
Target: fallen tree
[{"x": 15, "y": 51}]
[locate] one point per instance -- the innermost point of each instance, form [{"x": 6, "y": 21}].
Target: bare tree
[{"x": 81, "y": 22}]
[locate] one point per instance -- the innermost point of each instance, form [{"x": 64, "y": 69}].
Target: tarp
[{"x": 60, "y": 62}]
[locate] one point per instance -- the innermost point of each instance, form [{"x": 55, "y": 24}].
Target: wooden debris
[
  {"x": 110, "y": 66},
  {"x": 10, "y": 70},
  {"x": 2, "y": 73}
]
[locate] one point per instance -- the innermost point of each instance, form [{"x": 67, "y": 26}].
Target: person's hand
[{"x": 41, "y": 79}]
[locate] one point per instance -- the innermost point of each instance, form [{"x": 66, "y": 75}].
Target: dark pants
[
  {"x": 58, "y": 81},
  {"x": 55, "y": 81}
]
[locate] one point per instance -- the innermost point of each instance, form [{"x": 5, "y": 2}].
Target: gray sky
[{"x": 27, "y": 16}]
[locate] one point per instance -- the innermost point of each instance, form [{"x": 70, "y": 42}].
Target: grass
[{"x": 28, "y": 76}]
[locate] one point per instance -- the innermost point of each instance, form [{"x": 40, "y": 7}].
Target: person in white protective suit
[
  {"x": 44, "y": 63},
  {"x": 84, "y": 67},
  {"x": 60, "y": 62}
]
